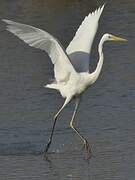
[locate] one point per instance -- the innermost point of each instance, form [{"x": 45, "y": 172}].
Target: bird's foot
[
  {"x": 88, "y": 149},
  {"x": 46, "y": 149}
]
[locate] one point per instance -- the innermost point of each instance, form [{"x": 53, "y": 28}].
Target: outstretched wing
[
  {"x": 80, "y": 47},
  {"x": 40, "y": 39}
]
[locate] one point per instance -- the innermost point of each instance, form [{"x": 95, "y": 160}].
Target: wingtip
[
  {"x": 102, "y": 7},
  {"x": 100, "y": 10},
  {"x": 6, "y": 21}
]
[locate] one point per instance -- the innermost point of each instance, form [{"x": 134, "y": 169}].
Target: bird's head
[{"x": 110, "y": 37}]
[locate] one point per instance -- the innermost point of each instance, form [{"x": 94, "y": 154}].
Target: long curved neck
[{"x": 97, "y": 71}]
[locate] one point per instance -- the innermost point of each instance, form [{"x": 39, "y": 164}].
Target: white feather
[
  {"x": 80, "y": 47},
  {"x": 40, "y": 39}
]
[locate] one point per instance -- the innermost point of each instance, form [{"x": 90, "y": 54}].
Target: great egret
[{"x": 71, "y": 67}]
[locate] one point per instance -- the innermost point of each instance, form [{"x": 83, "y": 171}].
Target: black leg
[
  {"x": 50, "y": 139},
  {"x": 55, "y": 119}
]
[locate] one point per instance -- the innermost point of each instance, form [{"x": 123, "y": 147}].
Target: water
[{"x": 107, "y": 112}]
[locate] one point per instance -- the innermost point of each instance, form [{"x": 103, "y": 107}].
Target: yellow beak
[{"x": 116, "y": 38}]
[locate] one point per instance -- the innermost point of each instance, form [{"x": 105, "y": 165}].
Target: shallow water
[{"x": 106, "y": 115}]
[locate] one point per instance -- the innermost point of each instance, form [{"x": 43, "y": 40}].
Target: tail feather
[{"x": 51, "y": 86}]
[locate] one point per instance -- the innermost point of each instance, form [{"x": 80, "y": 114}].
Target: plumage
[
  {"x": 43, "y": 40},
  {"x": 80, "y": 47},
  {"x": 71, "y": 71}
]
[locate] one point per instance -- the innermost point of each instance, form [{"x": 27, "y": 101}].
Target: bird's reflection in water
[{"x": 69, "y": 165}]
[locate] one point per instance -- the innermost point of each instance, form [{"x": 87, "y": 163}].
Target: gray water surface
[{"x": 106, "y": 115}]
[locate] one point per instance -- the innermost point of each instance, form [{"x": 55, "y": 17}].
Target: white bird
[{"x": 71, "y": 67}]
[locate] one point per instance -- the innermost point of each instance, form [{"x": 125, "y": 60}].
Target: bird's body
[
  {"x": 71, "y": 66},
  {"x": 75, "y": 82},
  {"x": 73, "y": 86}
]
